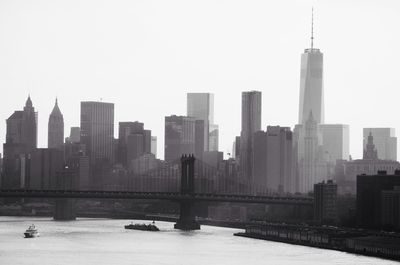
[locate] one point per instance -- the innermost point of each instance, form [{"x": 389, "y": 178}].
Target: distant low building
[
  {"x": 213, "y": 158},
  {"x": 225, "y": 211},
  {"x": 78, "y": 163},
  {"x": 1, "y": 167},
  {"x": 44, "y": 165},
  {"x": 143, "y": 164},
  {"x": 231, "y": 173},
  {"x": 346, "y": 172}
]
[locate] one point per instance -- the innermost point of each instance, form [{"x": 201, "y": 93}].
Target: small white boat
[{"x": 31, "y": 232}]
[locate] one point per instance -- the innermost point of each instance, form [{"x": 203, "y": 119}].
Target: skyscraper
[
  {"x": 56, "y": 128},
  {"x": 147, "y": 141},
  {"x": 251, "y": 122},
  {"x": 154, "y": 145},
  {"x": 273, "y": 160},
  {"x": 75, "y": 134},
  {"x": 124, "y": 130},
  {"x": 199, "y": 139},
  {"x": 135, "y": 147},
  {"x": 21, "y": 140},
  {"x": 29, "y": 126},
  {"x": 133, "y": 141},
  {"x": 179, "y": 137},
  {"x": 335, "y": 141},
  {"x": 280, "y": 159},
  {"x": 97, "y": 131},
  {"x": 236, "y": 149},
  {"x": 201, "y": 107},
  {"x": 312, "y": 167},
  {"x": 311, "y": 83},
  {"x": 385, "y": 141},
  {"x": 214, "y": 137},
  {"x": 311, "y": 161}
]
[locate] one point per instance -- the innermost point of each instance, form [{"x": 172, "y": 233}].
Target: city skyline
[
  {"x": 265, "y": 75},
  {"x": 249, "y": 120}
]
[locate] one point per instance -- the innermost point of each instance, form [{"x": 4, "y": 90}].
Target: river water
[{"x": 105, "y": 241}]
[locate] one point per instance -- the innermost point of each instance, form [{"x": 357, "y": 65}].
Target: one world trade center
[{"x": 311, "y": 84}]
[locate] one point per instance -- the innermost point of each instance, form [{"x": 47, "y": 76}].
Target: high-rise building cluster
[{"x": 265, "y": 159}]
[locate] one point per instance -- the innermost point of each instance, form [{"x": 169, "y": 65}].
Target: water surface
[{"x": 105, "y": 241}]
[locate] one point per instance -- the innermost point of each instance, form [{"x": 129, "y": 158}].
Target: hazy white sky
[{"x": 144, "y": 56}]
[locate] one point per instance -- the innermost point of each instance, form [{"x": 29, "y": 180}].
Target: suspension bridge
[{"x": 186, "y": 182}]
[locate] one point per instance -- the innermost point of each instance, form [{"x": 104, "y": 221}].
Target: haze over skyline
[{"x": 144, "y": 56}]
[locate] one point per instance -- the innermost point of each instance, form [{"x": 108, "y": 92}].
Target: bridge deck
[{"x": 172, "y": 196}]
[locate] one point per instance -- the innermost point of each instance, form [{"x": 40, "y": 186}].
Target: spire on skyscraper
[
  {"x": 28, "y": 102},
  {"x": 312, "y": 28},
  {"x": 56, "y": 110}
]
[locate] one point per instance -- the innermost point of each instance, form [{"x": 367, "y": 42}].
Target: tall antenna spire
[{"x": 312, "y": 28}]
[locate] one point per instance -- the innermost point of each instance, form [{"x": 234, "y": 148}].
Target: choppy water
[{"x": 105, "y": 241}]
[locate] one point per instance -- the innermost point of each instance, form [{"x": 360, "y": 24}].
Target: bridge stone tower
[
  {"x": 187, "y": 218},
  {"x": 65, "y": 209}
]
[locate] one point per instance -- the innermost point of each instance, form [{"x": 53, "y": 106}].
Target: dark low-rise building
[
  {"x": 369, "y": 197},
  {"x": 390, "y": 217},
  {"x": 325, "y": 202},
  {"x": 387, "y": 247}
]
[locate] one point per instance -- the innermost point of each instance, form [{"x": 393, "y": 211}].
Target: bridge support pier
[
  {"x": 64, "y": 210},
  {"x": 187, "y": 218}
]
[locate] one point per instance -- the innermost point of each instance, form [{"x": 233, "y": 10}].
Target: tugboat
[
  {"x": 143, "y": 227},
  {"x": 31, "y": 232}
]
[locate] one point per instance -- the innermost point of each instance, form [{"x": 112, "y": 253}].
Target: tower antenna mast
[{"x": 312, "y": 28}]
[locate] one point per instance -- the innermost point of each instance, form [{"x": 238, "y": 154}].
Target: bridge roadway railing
[{"x": 172, "y": 196}]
